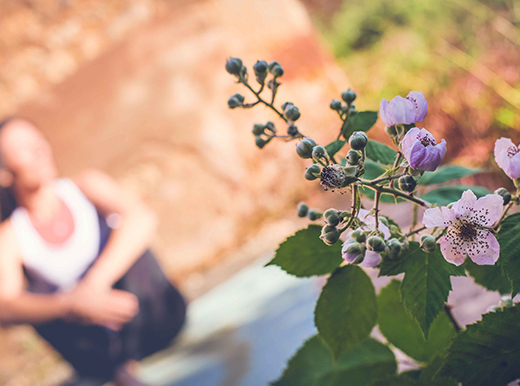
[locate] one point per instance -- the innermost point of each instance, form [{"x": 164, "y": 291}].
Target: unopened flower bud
[
  {"x": 353, "y": 252},
  {"x": 292, "y": 113},
  {"x": 358, "y": 140},
  {"x": 407, "y": 183},
  {"x": 329, "y": 234},
  {"x": 352, "y": 110},
  {"x": 503, "y": 192},
  {"x": 353, "y": 157},
  {"x": 348, "y": 96},
  {"x": 314, "y": 215},
  {"x": 270, "y": 126},
  {"x": 312, "y": 172},
  {"x": 335, "y": 105},
  {"x": 258, "y": 129},
  {"x": 235, "y": 101},
  {"x": 260, "y": 142},
  {"x": 234, "y": 66},
  {"x": 428, "y": 243},
  {"x": 260, "y": 69},
  {"x": 304, "y": 148},
  {"x": 276, "y": 69},
  {"x": 359, "y": 236},
  {"x": 506, "y": 301},
  {"x": 391, "y": 131},
  {"x": 332, "y": 217},
  {"x": 292, "y": 131},
  {"x": 302, "y": 209},
  {"x": 319, "y": 152},
  {"x": 393, "y": 248},
  {"x": 376, "y": 244}
]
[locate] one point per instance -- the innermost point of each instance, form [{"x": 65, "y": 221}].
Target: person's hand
[{"x": 102, "y": 305}]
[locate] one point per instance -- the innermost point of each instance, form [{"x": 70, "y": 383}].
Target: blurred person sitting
[{"x": 75, "y": 263}]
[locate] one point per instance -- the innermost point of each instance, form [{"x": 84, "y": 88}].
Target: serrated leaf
[
  {"x": 487, "y": 352},
  {"x": 426, "y": 282},
  {"x": 509, "y": 239},
  {"x": 449, "y": 194},
  {"x": 304, "y": 254},
  {"x": 313, "y": 365},
  {"x": 446, "y": 173},
  {"x": 346, "y": 310},
  {"x": 379, "y": 152},
  {"x": 490, "y": 277},
  {"x": 362, "y": 121},
  {"x": 403, "y": 331},
  {"x": 333, "y": 147}
]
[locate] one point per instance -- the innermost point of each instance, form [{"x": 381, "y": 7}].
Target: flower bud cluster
[
  {"x": 290, "y": 111},
  {"x": 303, "y": 211},
  {"x": 263, "y": 133},
  {"x": 344, "y": 109}
]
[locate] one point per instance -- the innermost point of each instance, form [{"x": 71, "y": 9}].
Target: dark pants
[{"x": 96, "y": 351}]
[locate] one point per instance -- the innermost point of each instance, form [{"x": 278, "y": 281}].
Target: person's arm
[
  {"x": 130, "y": 239},
  {"x": 17, "y": 305}
]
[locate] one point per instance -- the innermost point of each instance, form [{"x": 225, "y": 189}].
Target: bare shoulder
[{"x": 8, "y": 245}]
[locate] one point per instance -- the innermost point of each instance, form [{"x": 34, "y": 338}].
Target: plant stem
[
  {"x": 376, "y": 208},
  {"x": 387, "y": 178},
  {"x": 270, "y": 105},
  {"x": 447, "y": 310},
  {"x": 415, "y": 231},
  {"x": 504, "y": 213},
  {"x": 352, "y": 209},
  {"x": 394, "y": 192}
]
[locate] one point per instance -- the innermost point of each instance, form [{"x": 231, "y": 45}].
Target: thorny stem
[
  {"x": 447, "y": 310},
  {"x": 396, "y": 163},
  {"x": 387, "y": 178},
  {"x": 352, "y": 209},
  {"x": 376, "y": 209},
  {"x": 394, "y": 192},
  {"x": 415, "y": 232},
  {"x": 504, "y": 213}
]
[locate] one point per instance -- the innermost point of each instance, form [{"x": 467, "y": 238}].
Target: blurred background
[{"x": 138, "y": 89}]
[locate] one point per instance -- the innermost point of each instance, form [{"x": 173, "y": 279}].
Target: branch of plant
[
  {"x": 376, "y": 209},
  {"x": 387, "y": 178},
  {"x": 415, "y": 231},
  {"x": 260, "y": 100},
  {"x": 394, "y": 192},
  {"x": 352, "y": 209}
]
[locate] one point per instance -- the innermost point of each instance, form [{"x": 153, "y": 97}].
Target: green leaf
[
  {"x": 448, "y": 194},
  {"x": 403, "y": 331},
  {"x": 487, "y": 352},
  {"x": 509, "y": 239},
  {"x": 304, "y": 254},
  {"x": 446, "y": 173},
  {"x": 426, "y": 282},
  {"x": 489, "y": 276},
  {"x": 379, "y": 152},
  {"x": 395, "y": 380},
  {"x": 362, "y": 121},
  {"x": 313, "y": 365},
  {"x": 333, "y": 147},
  {"x": 346, "y": 311}
]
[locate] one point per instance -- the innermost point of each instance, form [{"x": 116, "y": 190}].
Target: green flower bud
[
  {"x": 329, "y": 234},
  {"x": 335, "y": 105},
  {"x": 393, "y": 248},
  {"x": 312, "y": 172},
  {"x": 359, "y": 236},
  {"x": 302, "y": 209},
  {"x": 352, "y": 110},
  {"x": 292, "y": 131},
  {"x": 358, "y": 140},
  {"x": 276, "y": 69},
  {"x": 384, "y": 221},
  {"x": 270, "y": 126},
  {"x": 319, "y": 152},
  {"x": 292, "y": 113},
  {"x": 314, "y": 214},
  {"x": 504, "y": 194},
  {"x": 235, "y": 101},
  {"x": 304, "y": 148},
  {"x": 391, "y": 131},
  {"x": 258, "y": 129},
  {"x": 348, "y": 96},
  {"x": 332, "y": 217},
  {"x": 353, "y": 157},
  {"x": 376, "y": 244},
  {"x": 354, "y": 253},
  {"x": 234, "y": 66},
  {"x": 260, "y": 69},
  {"x": 428, "y": 243},
  {"x": 407, "y": 183},
  {"x": 260, "y": 142}
]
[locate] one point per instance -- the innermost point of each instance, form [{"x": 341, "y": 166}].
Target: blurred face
[{"x": 26, "y": 155}]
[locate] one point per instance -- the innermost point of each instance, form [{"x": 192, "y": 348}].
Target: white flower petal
[
  {"x": 371, "y": 260},
  {"x": 410, "y": 137},
  {"x": 485, "y": 250},
  {"x": 488, "y": 210},
  {"x": 453, "y": 250},
  {"x": 438, "y": 217},
  {"x": 466, "y": 202}
]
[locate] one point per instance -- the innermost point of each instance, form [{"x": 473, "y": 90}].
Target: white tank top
[{"x": 64, "y": 264}]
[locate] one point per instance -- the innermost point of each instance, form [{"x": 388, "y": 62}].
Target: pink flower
[
  {"x": 421, "y": 150},
  {"x": 401, "y": 110},
  {"x": 469, "y": 223},
  {"x": 507, "y": 156}
]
